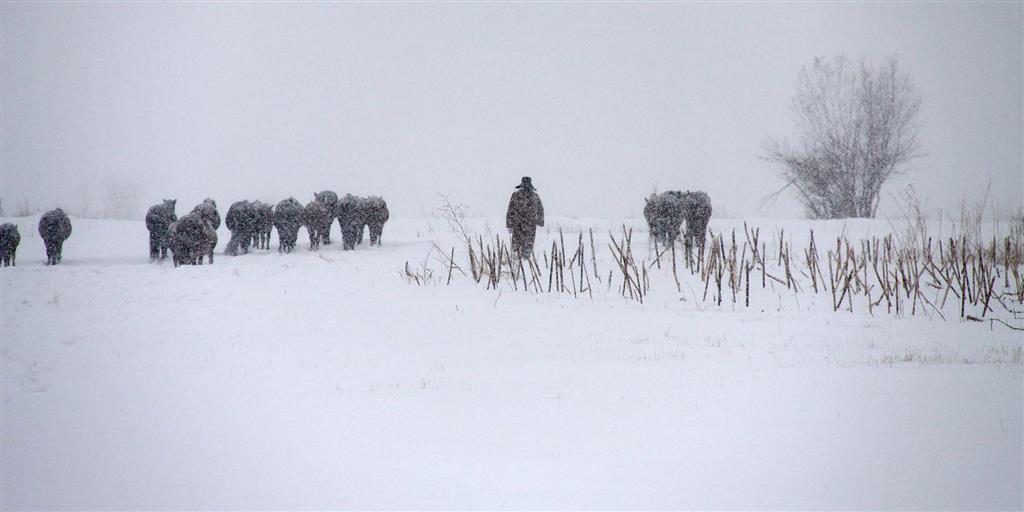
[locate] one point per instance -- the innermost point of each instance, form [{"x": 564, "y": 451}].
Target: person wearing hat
[{"x": 525, "y": 213}]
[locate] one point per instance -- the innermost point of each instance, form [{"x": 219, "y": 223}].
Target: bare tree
[{"x": 855, "y": 128}]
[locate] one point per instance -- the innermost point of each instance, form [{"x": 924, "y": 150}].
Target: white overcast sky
[{"x": 597, "y": 102}]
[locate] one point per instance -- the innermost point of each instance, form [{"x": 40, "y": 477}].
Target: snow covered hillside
[{"x": 327, "y": 380}]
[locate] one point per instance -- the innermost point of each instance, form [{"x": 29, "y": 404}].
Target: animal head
[
  {"x": 210, "y": 202},
  {"x": 697, "y": 196},
  {"x": 326, "y": 197}
]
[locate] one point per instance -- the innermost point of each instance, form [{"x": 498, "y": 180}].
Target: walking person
[{"x": 525, "y": 213}]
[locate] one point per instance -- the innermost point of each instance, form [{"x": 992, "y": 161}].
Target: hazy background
[{"x": 599, "y": 103}]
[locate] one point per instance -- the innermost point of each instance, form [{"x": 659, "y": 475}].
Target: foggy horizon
[
  {"x": 599, "y": 103},
  {"x": 577, "y": 344}
]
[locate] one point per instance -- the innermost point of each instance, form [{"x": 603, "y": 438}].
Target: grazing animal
[
  {"x": 188, "y": 240},
  {"x": 9, "y": 240},
  {"x": 350, "y": 216},
  {"x": 288, "y": 216},
  {"x": 208, "y": 211},
  {"x": 264, "y": 224},
  {"x": 330, "y": 199},
  {"x": 158, "y": 219},
  {"x": 54, "y": 229},
  {"x": 374, "y": 214},
  {"x": 696, "y": 210},
  {"x": 525, "y": 213},
  {"x": 241, "y": 220},
  {"x": 317, "y": 218},
  {"x": 664, "y": 216}
]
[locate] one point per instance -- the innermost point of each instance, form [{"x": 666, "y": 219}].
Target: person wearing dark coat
[
  {"x": 54, "y": 229},
  {"x": 525, "y": 214},
  {"x": 9, "y": 240},
  {"x": 288, "y": 219},
  {"x": 158, "y": 219}
]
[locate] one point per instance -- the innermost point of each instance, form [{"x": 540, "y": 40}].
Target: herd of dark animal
[
  {"x": 666, "y": 212},
  {"x": 54, "y": 229},
  {"x": 193, "y": 237}
]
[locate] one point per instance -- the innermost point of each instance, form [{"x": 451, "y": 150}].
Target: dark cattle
[
  {"x": 360, "y": 218},
  {"x": 696, "y": 210},
  {"x": 361, "y": 205},
  {"x": 317, "y": 218},
  {"x": 664, "y": 216},
  {"x": 158, "y": 219},
  {"x": 651, "y": 213},
  {"x": 329, "y": 199},
  {"x": 241, "y": 220},
  {"x": 350, "y": 216},
  {"x": 54, "y": 228},
  {"x": 374, "y": 214},
  {"x": 189, "y": 240},
  {"x": 172, "y": 239},
  {"x": 288, "y": 219},
  {"x": 9, "y": 240},
  {"x": 525, "y": 213},
  {"x": 264, "y": 224},
  {"x": 209, "y": 242},
  {"x": 208, "y": 211}
]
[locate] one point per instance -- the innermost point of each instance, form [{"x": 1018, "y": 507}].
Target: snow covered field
[{"x": 326, "y": 380}]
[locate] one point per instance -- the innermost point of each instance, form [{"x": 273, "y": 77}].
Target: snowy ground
[{"x": 326, "y": 380}]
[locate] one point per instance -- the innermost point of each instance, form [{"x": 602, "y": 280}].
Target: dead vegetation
[
  {"x": 887, "y": 274},
  {"x": 907, "y": 273}
]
